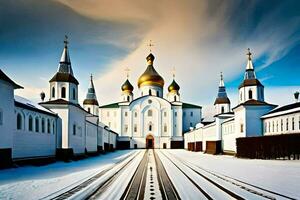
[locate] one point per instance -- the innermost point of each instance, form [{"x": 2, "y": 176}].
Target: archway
[{"x": 149, "y": 142}]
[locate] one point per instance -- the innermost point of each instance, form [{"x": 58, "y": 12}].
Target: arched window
[
  {"x": 165, "y": 128},
  {"x": 74, "y": 94},
  {"x": 53, "y": 92},
  {"x": 128, "y": 98},
  {"x": 149, "y": 113},
  {"x": 63, "y": 92},
  {"x": 175, "y": 98},
  {"x": 19, "y": 121},
  {"x": 157, "y": 93},
  {"x": 222, "y": 109},
  {"x": 135, "y": 114},
  {"x": 89, "y": 110},
  {"x": 1, "y": 117},
  {"x": 53, "y": 128},
  {"x": 43, "y": 125},
  {"x": 150, "y": 127},
  {"x": 30, "y": 123},
  {"x": 37, "y": 124},
  {"x": 48, "y": 126},
  {"x": 150, "y": 92},
  {"x": 287, "y": 124},
  {"x": 250, "y": 94},
  {"x": 293, "y": 123},
  {"x": 74, "y": 129}
]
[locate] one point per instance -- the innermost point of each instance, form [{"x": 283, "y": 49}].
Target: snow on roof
[
  {"x": 32, "y": 104},
  {"x": 283, "y": 110}
]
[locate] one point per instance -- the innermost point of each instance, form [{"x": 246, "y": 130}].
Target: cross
[
  {"x": 66, "y": 40},
  {"x": 221, "y": 76},
  {"x": 173, "y": 72},
  {"x": 127, "y": 70},
  {"x": 150, "y": 45},
  {"x": 249, "y": 54},
  {"x": 91, "y": 76}
]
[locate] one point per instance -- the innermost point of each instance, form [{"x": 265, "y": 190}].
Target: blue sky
[{"x": 198, "y": 38}]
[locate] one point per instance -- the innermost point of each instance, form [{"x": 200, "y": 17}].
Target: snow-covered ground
[
  {"x": 281, "y": 176},
  {"x": 37, "y": 182}
]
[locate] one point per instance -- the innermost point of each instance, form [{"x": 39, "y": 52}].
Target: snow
[
  {"x": 38, "y": 182},
  {"x": 31, "y": 104},
  {"x": 281, "y": 176}
]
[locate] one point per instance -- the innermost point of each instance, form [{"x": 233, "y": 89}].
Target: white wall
[
  {"x": 91, "y": 137},
  {"x": 282, "y": 124},
  {"x": 228, "y": 136}
]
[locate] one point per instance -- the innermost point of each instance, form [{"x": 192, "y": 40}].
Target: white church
[
  {"x": 61, "y": 128},
  {"x": 252, "y": 117}
]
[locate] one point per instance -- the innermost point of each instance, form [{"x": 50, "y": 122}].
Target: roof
[
  {"x": 188, "y": 105},
  {"x": 62, "y": 102},
  {"x": 220, "y": 100},
  {"x": 90, "y": 102},
  {"x": 253, "y": 102},
  {"x": 286, "y": 109},
  {"x": 251, "y": 82},
  {"x": 64, "y": 77},
  {"x": 27, "y": 104},
  {"x": 5, "y": 78},
  {"x": 113, "y": 105}
]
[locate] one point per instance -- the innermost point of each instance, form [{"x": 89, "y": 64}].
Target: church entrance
[{"x": 149, "y": 142}]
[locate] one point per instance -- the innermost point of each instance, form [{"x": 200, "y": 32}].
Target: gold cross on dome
[
  {"x": 249, "y": 54},
  {"x": 173, "y": 72},
  {"x": 127, "y": 70},
  {"x": 150, "y": 45}
]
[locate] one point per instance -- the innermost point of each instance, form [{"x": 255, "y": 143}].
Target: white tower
[
  {"x": 90, "y": 103},
  {"x": 251, "y": 88},
  {"x": 64, "y": 85},
  {"x": 222, "y": 102}
]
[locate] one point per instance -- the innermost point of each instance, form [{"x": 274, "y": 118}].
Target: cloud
[{"x": 198, "y": 38}]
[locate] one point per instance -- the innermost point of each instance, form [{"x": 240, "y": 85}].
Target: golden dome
[
  {"x": 127, "y": 86},
  {"x": 174, "y": 86},
  {"x": 150, "y": 76}
]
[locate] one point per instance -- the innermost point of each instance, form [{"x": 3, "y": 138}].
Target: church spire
[
  {"x": 91, "y": 98},
  {"x": 65, "y": 62},
  {"x": 221, "y": 81},
  {"x": 222, "y": 95},
  {"x": 250, "y": 73}
]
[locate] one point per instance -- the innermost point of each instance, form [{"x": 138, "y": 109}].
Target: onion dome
[
  {"x": 127, "y": 86},
  {"x": 150, "y": 76},
  {"x": 91, "y": 98},
  {"x": 173, "y": 87}
]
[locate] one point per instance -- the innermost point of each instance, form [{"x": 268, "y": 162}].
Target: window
[
  {"x": 150, "y": 92},
  {"x": 250, "y": 94},
  {"x": 192, "y": 114},
  {"x": 63, "y": 92},
  {"x": 128, "y": 98},
  {"x": 1, "y": 117},
  {"x": 30, "y": 124},
  {"x": 165, "y": 114},
  {"x": 74, "y": 129},
  {"x": 43, "y": 125},
  {"x": 265, "y": 127},
  {"x": 269, "y": 127},
  {"x": 74, "y": 94},
  {"x": 273, "y": 126},
  {"x": 175, "y": 114},
  {"x": 89, "y": 110},
  {"x": 53, "y": 128},
  {"x": 135, "y": 114},
  {"x": 281, "y": 125},
  {"x": 126, "y": 128},
  {"x": 276, "y": 126},
  {"x": 149, "y": 113},
  {"x": 293, "y": 123},
  {"x": 165, "y": 128},
  {"x": 135, "y": 128},
  {"x": 287, "y": 124},
  {"x": 241, "y": 96},
  {"x": 19, "y": 121},
  {"x": 157, "y": 93},
  {"x": 191, "y": 124},
  {"x": 222, "y": 109},
  {"x": 242, "y": 128},
  {"x": 299, "y": 123},
  {"x": 150, "y": 127},
  {"x": 48, "y": 126},
  {"x": 53, "y": 92},
  {"x": 175, "y": 98},
  {"x": 37, "y": 124},
  {"x": 125, "y": 114}
]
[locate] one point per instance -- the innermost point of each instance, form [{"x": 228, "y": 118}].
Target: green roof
[
  {"x": 113, "y": 105},
  {"x": 188, "y": 105}
]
